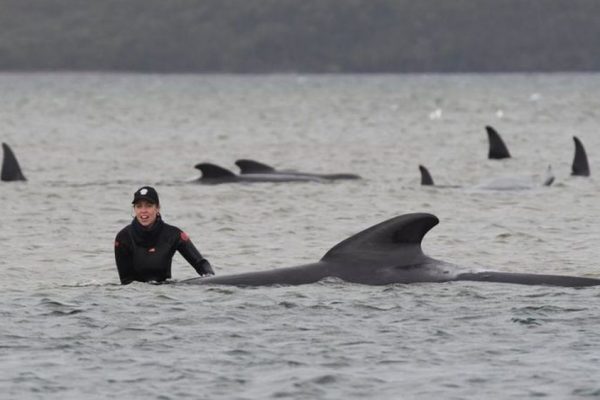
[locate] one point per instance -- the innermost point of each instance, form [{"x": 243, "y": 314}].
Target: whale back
[
  {"x": 253, "y": 167},
  {"x": 390, "y": 239},
  {"x": 498, "y": 149},
  {"x": 11, "y": 171},
  {"x": 580, "y": 165},
  {"x": 212, "y": 171}
]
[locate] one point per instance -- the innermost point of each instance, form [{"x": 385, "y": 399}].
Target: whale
[
  {"x": 580, "y": 165},
  {"x": 497, "y": 149},
  {"x": 213, "y": 174},
  {"x": 387, "y": 253},
  {"x": 248, "y": 167},
  {"x": 427, "y": 179},
  {"x": 11, "y": 170},
  {"x": 502, "y": 183}
]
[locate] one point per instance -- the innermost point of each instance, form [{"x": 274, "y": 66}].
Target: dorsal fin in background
[
  {"x": 11, "y": 171},
  {"x": 426, "y": 179},
  {"x": 580, "y": 165},
  {"x": 390, "y": 235},
  {"x": 253, "y": 167},
  {"x": 549, "y": 178},
  {"x": 211, "y": 171},
  {"x": 498, "y": 149}
]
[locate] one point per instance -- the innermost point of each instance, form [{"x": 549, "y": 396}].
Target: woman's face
[{"x": 146, "y": 212}]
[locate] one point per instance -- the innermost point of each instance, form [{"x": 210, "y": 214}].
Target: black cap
[{"x": 146, "y": 193}]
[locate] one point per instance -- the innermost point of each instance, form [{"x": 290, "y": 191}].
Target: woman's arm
[
  {"x": 124, "y": 259},
  {"x": 187, "y": 249}
]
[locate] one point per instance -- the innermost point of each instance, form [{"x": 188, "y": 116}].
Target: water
[{"x": 87, "y": 141}]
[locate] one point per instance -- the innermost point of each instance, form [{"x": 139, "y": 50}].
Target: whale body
[
  {"x": 250, "y": 167},
  {"x": 502, "y": 183},
  {"x": 213, "y": 174},
  {"x": 387, "y": 253}
]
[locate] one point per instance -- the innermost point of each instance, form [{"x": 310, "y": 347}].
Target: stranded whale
[
  {"x": 255, "y": 167},
  {"x": 213, "y": 174},
  {"x": 387, "y": 253},
  {"x": 11, "y": 171},
  {"x": 427, "y": 180},
  {"x": 504, "y": 183}
]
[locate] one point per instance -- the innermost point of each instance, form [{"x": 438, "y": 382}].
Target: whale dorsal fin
[
  {"x": 580, "y": 165},
  {"x": 498, "y": 149},
  {"x": 386, "y": 237},
  {"x": 549, "y": 178},
  {"x": 212, "y": 171},
  {"x": 426, "y": 179},
  {"x": 253, "y": 167},
  {"x": 11, "y": 171}
]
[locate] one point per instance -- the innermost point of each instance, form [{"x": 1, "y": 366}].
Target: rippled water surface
[{"x": 87, "y": 141}]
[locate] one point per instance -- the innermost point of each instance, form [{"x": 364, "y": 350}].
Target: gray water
[{"x": 86, "y": 142}]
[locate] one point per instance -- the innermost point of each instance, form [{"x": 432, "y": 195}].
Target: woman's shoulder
[
  {"x": 124, "y": 235},
  {"x": 176, "y": 232},
  {"x": 171, "y": 228},
  {"x": 124, "y": 231}
]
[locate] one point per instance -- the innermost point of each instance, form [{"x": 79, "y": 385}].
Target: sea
[{"x": 87, "y": 141}]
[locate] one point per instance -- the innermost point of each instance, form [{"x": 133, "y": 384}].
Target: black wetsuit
[{"x": 145, "y": 254}]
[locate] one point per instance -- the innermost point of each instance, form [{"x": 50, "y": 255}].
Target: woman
[{"x": 144, "y": 249}]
